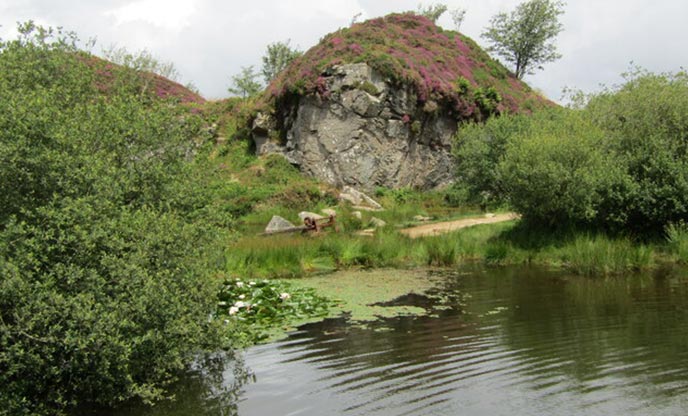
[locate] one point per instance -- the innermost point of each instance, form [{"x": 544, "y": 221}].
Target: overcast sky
[{"x": 209, "y": 40}]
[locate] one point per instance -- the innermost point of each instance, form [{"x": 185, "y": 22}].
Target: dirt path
[{"x": 448, "y": 226}]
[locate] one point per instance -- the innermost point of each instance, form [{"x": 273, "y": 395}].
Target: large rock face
[{"x": 362, "y": 131}]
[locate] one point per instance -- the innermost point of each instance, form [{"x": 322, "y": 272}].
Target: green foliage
[
  {"x": 463, "y": 86},
  {"x": 487, "y": 99},
  {"x": 277, "y": 56},
  {"x": 141, "y": 61},
  {"x": 479, "y": 148},
  {"x": 618, "y": 165},
  {"x": 458, "y": 16},
  {"x": 368, "y": 87},
  {"x": 524, "y": 36},
  {"x": 600, "y": 256},
  {"x": 440, "y": 251},
  {"x": 648, "y": 128},
  {"x": 408, "y": 50},
  {"x": 677, "y": 238},
  {"x": 106, "y": 243},
  {"x": 559, "y": 172},
  {"x": 433, "y": 11},
  {"x": 416, "y": 127},
  {"x": 245, "y": 84}
]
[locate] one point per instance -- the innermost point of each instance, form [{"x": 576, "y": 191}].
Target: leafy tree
[
  {"x": 619, "y": 164},
  {"x": 560, "y": 172},
  {"x": 245, "y": 84},
  {"x": 143, "y": 65},
  {"x": 647, "y": 126},
  {"x": 524, "y": 36},
  {"x": 355, "y": 18},
  {"x": 106, "y": 253},
  {"x": 142, "y": 61},
  {"x": 458, "y": 15},
  {"x": 432, "y": 11},
  {"x": 277, "y": 56}
]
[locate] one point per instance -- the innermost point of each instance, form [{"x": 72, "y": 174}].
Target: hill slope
[
  {"x": 109, "y": 75},
  {"x": 378, "y": 104},
  {"x": 442, "y": 66}
]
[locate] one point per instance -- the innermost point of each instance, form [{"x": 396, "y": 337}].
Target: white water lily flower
[
  {"x": 285, "y": 296},
  {"x": 239, "y": 304},
  {"x": 251, "y": 283},
  {"x": 233, "y": 310},
  {"x": 242, "y": 296},
  {"x": 240, "y": 284}
]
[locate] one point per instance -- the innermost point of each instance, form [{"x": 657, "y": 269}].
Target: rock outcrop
[
  {"x": 366, "y": 133},
  {"x": 377, "y": 104}
]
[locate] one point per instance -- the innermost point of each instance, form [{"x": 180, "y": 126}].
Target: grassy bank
[{"x": 506, "y": 243}]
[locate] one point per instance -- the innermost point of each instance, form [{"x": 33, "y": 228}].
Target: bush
[
  {"x": 100, "y": 304},
  {"x": 106, "y": 244},
  {"x": 559, "y": 172},
  {"x": 647, "y": 127},
  {"x": 478, "y": 150},
  {"x": 620, "y": 164}
]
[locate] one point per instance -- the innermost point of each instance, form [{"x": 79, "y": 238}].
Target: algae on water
[{"x": 361, "y": 293}]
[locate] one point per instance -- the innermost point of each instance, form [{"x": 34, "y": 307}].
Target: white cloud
[
  {"x": 209, "y": 40},
  {"x": 167, "y": 14},
  {"x": 309, "y": 10}
]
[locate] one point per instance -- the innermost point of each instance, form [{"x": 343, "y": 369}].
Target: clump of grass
[
  {"x": 439, "y": 251},
  {"x": 600, "y": 255},
  {"x": 677, "y": 240}
]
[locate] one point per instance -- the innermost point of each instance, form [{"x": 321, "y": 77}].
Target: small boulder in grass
[
  {"x": 312, "y": 215},
  {"x": 358, "y": 198},
  {"x": 421, "y": 218},
  {"x": 377, "y": 223},
  {"x": 357, "y": 215},
  {"x": 278, "y": 224}
]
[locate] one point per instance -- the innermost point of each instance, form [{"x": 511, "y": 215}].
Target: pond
[{"x": 504, "y": 342}]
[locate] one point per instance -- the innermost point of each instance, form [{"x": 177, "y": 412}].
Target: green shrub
[
  {"x": 106, "y": 243},
  {"x": 558, "y": 173},
  {"x": 478, "y": 150},
  {"x": 647, "y": 127}
]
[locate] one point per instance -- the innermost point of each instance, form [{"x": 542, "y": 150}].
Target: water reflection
[
  {"x": 512, "y": 342},
  {"x": 211, "y": 388},
  {"x": 528, "y": 342}
]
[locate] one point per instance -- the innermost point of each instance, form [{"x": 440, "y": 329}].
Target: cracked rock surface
[{"x": 363, "y": 132}]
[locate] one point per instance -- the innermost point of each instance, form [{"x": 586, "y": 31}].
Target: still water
[{"x": 506, "y": 342}]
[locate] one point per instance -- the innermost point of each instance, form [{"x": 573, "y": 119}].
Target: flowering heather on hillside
[
  {"x": 441, "y": 66},
  {"x": 108, "y": 74}
]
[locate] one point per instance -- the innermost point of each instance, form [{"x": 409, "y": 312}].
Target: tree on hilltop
[
  {"x": 524, "y": 36},
  {"x": 245, "y": 84},
  {"x": 277, "y": 56},
  {"x": 432, "y": 11},
  {"x": 458, "y": 15}
]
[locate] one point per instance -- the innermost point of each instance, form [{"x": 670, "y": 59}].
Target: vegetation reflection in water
[{"x": 524, "y": 341}]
